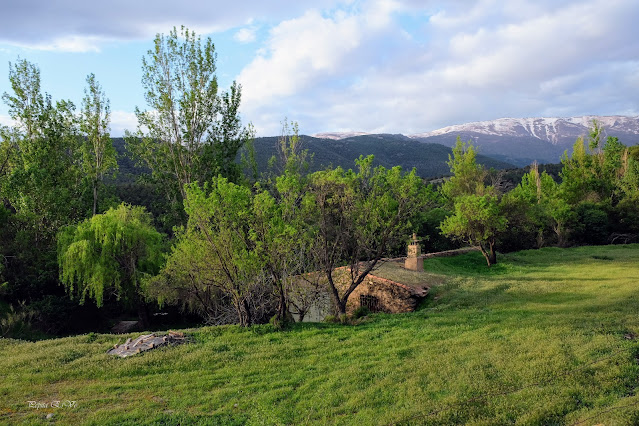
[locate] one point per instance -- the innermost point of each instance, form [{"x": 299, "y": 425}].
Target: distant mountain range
[
  {"x": 429, "y": 159},
  {"x": 506, "y": 143},
  {"x": 521, "y": 141}
]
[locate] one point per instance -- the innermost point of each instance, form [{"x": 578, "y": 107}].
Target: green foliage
[
  {"x": 592, "y": 176},
  {"x": 41, "y": 182},
  {"x": 98, "y": 153},
  {"x": 193, "y": 133},
  {"x": 428, "y": 223},
  {"x": 214, "y": 258},
  {"x": 110, "y": 253},
  {"x": 468, "y": 176},
  {"x": 44, "y": 179},
  {"x": 477, "y": 220},
  {"x": 361, "y": 312},
  {"x": 591, "y": 226},
  {"x": 535, "y": 211},
  {"x": 359, "y": 216}
]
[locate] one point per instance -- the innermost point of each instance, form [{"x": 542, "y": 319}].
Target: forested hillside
[{"x": 429, "y": 159}]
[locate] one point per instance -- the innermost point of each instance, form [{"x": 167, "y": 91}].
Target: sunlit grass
[{"x": 543, "y": 337}]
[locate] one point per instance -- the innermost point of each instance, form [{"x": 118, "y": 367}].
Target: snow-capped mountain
[
  {"x": 521, "y": 141},
  {"x": 338, "y": 135},
  {"x": 524, "y": 140},
  {"x": 554, "y": 130}
]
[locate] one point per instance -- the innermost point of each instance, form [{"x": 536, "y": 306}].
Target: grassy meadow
[{"x": 545, "y": 337}]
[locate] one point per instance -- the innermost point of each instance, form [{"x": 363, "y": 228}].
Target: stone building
[
  {"x": 397, "y": 285},
  {"x": 381, "y": 294}
]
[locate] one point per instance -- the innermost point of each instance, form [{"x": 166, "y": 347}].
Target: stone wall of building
[
  {"x": 391, "y": 297},
  {"x": 379, "y": 294}
]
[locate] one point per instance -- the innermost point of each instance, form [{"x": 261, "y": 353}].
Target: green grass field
[{"x": 544, "y": 337}]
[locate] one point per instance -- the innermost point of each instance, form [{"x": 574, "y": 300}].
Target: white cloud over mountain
[{"x": 478, "y": 61}]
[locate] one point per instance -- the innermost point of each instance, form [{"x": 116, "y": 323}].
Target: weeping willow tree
[{"x": 110, "y": 254}]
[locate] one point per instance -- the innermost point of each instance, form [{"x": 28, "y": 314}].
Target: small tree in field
[
  {"x": 111, "y": 253},
  {"x": 477, "y": 221},
  {"x": 477, "y": 218}
]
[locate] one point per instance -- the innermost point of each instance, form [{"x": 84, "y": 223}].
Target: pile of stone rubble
[{"x": 146, "y": 342}]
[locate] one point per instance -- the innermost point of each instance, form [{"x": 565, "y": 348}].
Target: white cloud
[
  {"x": 311, "y": 51},
  {"x": 122, "y": 121},
  {"x": 480, "y": 60},
  {"x": 38, "y": 23},
  {"x": 245, "y": 35},
  {"x": 382, "y": 65},
  {"x": 74, "y": 44},
  {"x": 5, "y": 120}
]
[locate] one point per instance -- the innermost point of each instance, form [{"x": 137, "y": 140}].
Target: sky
[{"x": 379, "y": 66}]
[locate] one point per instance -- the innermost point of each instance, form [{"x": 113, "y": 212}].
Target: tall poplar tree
[
  {"x": 98, "y": 153},
  {"x": 42, "y": 184},
  {"x": 190, "y": 132}
]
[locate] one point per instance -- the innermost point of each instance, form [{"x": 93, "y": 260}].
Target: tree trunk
[
  {"x": 240, "y": 313},
  {"x": 492, "y": 257},
  {"x": 489, "y": 253},
  {"x": 247, "y": 313},
  {"x": 143, "y": 315},
  {"x": 95, "y": 197},
  {"x": 282, "y": 308},
  {"x": 341, "y": 307},
  {"x": 540, "y": 238}
]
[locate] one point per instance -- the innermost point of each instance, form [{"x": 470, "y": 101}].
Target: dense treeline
[{"x": 231, "y": 243}]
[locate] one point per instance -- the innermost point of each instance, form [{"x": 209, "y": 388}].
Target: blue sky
[{"x": 354, "y": 65}]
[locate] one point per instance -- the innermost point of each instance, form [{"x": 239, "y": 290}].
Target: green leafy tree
[
  {"x": 282, "y": 240},
  {"x": 467, "y": 176},
  {"x": 533, "y": 207},
  {"x": 111, "y": 254},
  {"x": 99, "y": 157},
  {"x": 359, "y": 217},
  {"x": 592, "y": 174},
  {"x": 477, "y": 220},
  {"x": 191, "y": 132},
  {"x": 41, "y": 182},
  {"x": 213, "y": 259},
  {"x": 628, "y": 189},
  {"x": 239, "y": 243},
  {"x": 44, "y": 181}
]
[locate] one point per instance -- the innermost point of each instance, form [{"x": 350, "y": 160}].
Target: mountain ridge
[
  {"x": 521, "y": 141},
  {"x": 550, "y": 129}
]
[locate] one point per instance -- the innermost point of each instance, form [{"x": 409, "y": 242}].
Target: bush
[
  {"x": 591, "y": 227},
  {"x": 360, "y": 312},
  {"x": 16, "y": 323}
]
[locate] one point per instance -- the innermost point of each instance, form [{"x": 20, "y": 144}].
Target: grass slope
[{"x": 538, "y": 339}]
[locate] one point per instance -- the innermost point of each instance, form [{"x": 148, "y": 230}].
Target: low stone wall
[{"x": 447, "y": 253}]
